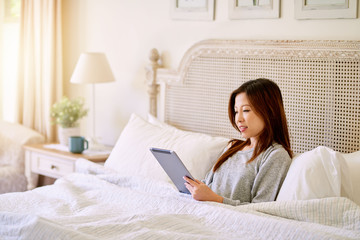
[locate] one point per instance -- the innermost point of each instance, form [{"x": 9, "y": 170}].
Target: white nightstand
[{"x": 51, "y": 162}]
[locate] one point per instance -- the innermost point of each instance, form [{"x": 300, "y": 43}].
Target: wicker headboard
[{"x": 319, "y": 80}]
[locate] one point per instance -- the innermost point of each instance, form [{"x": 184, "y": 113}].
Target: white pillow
[
  {"x": 353, "y": 161},
  {"x": 155, "y": 121},
  {"x": 131, "y": 154},
  {"x": 319, "y": 173}
]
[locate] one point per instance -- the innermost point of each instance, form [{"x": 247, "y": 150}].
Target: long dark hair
[{"x": 265, "y": 98}]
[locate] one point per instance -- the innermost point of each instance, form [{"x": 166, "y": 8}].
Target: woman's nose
[{"x": 239, "y": 118}]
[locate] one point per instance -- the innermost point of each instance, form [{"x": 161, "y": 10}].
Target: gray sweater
[{"x": 258, "y": 181}]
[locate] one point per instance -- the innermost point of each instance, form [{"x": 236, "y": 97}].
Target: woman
[{"x": 250, "y": 170}]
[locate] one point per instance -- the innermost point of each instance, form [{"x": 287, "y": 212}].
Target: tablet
[{"x": 173, "y": 166}]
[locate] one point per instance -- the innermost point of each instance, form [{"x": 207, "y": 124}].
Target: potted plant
[{"x": 66, "y": 113}]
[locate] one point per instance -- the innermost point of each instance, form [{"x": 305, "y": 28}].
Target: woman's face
[{"x": 248, "y": 122}]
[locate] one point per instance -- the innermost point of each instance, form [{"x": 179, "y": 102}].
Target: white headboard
[{"x": 319, "y": 80}]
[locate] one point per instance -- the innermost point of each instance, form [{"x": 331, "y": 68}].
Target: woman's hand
[{"x": 200, "y": 191}]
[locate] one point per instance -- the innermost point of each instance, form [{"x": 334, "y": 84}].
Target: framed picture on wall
[
  {"x": 320, "y": 9},
  {"x": 192, "y": 9},
  {"x": 247, "y": 9}
]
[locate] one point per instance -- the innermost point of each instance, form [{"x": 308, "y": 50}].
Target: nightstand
[{"x": 52, "y": 162}]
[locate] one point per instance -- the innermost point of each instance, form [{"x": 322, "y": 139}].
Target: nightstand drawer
[
  {"x": 50, "y": 162},
  {"x": 52, "y": 167}
]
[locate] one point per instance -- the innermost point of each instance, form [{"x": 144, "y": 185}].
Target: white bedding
[{"x": 105, "y": 205}]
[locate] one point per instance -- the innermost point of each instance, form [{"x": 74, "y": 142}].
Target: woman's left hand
[{"x": 200, "y": 191}]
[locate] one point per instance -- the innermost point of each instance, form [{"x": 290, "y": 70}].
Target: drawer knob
[{"x": 53, "y": 167}]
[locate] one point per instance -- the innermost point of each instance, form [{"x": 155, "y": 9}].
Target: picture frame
[
  {"x": 254, "y": 9},
  {"x": 192, "y": 10},
  {"x": 319, "y": 9}
]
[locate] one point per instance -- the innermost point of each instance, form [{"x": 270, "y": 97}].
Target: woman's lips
[{"x": 242, "y": 128}]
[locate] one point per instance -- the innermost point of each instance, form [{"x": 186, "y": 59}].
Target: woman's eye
[{"x": 246, "y": 110}]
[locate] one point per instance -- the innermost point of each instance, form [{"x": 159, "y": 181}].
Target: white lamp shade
[{"x": 92, "y": 68}]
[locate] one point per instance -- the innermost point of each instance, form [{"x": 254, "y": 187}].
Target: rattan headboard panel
[{"x": 319, "y": 80}]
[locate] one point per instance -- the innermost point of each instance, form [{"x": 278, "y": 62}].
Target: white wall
[{"x": 126, "y": 30}]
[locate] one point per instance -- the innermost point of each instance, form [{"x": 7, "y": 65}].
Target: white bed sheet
[{"x": 96, "y": 203}]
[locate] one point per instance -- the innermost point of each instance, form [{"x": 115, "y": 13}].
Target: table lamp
[{"x": 92, "y": 68}]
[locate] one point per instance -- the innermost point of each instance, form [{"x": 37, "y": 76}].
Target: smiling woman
[{"x": 9, "y": 44}]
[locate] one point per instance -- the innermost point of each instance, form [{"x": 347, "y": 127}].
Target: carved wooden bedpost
[{"x": 153, "y": 87}]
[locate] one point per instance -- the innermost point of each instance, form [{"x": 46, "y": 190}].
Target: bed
[{"x": 131, "y": 197}]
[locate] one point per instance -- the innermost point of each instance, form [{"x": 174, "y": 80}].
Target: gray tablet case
[{"x": 173, "y": 166}]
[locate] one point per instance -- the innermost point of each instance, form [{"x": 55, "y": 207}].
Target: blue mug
[{"x": 78, "y": 144}]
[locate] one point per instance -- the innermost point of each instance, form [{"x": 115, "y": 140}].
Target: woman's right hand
[{"x": 200, "y": 191}]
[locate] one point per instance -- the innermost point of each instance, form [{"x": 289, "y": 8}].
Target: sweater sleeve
[
  {"x": 233, "y": 202},
  {"x": 208, "y": 181},
  {"x": 271, "y": 173}
]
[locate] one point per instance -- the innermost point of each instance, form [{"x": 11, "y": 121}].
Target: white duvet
[{"x": 98, "y": 204}]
